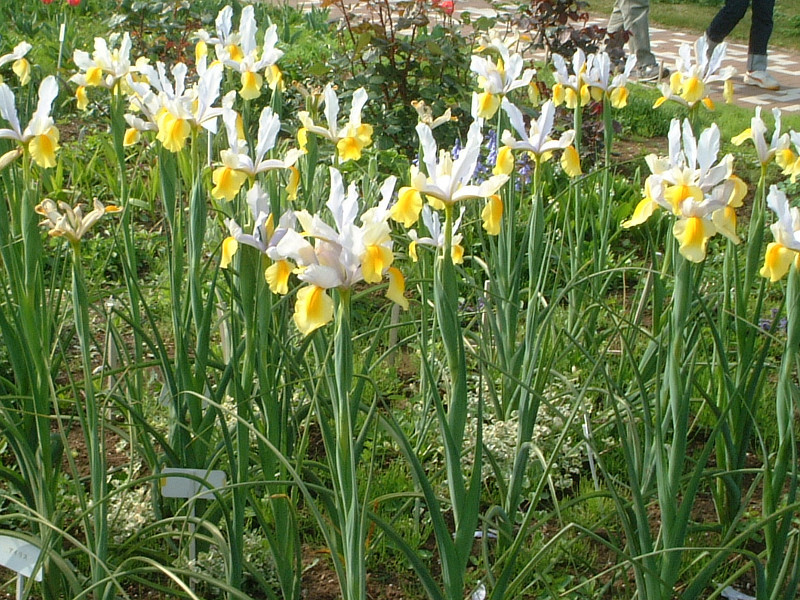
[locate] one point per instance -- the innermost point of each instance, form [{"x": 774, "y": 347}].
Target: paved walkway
[{"x": 784, "y": 65}]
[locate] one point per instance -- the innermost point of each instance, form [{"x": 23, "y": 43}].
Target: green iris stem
[
  {"x": 128, "y": 242},
  {"x": 575, "y": 293},
  {"x": 93, "y": 432},
  {"x": 600, "y": 250},
  {"x": 345, "y": 412},
  {"x": 528, "y": 407},
  {"x": 778, "y": 492},
  {"x": 452, "y": 420},
  {"x": 671, "y": 456},
  {"x": 446, "y": 302},
  {"x": 750, "y": 351}
]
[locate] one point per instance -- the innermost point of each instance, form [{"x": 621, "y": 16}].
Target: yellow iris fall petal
[
  {"x": 777, "y": 261},
  {"x": 724, "y": 220},
  {"x": 692, "y": 89},
  {"x": 492, "y": 214},
  {"x": 43, "y": 148},
  {"x": 585, "y": 95},
  {"x": 313, "y": 309},
  {"x": 397, "y": 288},
  {"x": 131, "y": 137},
  {"x": 739, "y": 192},
  {"x": 644, "y": 209},
  {"x": 94, "y": 76},
  {"x": 275, "y": 78},
  {"x": 82, "y": 97},
  {"x": 251, "y": 85},
  {"x": 571, "y": 161},
  {"x": 200, "y": 50},
  {"x": 676, "y": 82},
  {"x": 375, "y": 260},
  {"x": 22, "y": 69},
  {"x": 570, "y": 98},
  {"x": 785, "y": 158},
  {"x": 229, "y": 247},
  {"x": 738, "y": 140},
  {"x": 693, "y": 234},
  {"x": 349, "y": 148},
  {"x": 659, "y": 102},
  {"x": 172, "y": 131},
  {"x": 412, "y": 251},
  {"x": 277, "y": 276},
  {"x": 505, "y": 161},
  {"x": 408, "y": 206},
  {"x": 457, "y": 254},
  {"x": 488, "y": 105},
  {"x": 227, "y": 183},
  {"x": 619, "y": 97},
  {"x": 294, "y": 183},
  {"x": 364, "y": 134},
  {"x": 559, "y": 94}
]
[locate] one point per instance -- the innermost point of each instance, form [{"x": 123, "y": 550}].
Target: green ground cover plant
[{"x": 408, "y": 314}]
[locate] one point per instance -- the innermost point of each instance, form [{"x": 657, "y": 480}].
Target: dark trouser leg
[
  {"x": 726, "y": 19},
  {"x": 760, "y": 30}
]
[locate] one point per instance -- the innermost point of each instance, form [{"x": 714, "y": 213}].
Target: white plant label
[
  {"x": 19, "y": 556},
  {"x": 175, "y": 486}
]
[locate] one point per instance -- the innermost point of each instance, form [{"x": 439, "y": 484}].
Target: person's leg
[
  {"x": 639, "y": 26},
  {"x": 633, "y": 16},
  {"x": 760, "y": 31},
  {"x": 726, "y": 19},
  {"x": 616, "y": 21}
]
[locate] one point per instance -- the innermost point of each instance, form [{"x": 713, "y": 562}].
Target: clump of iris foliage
[{"x": 395, "y": 284}]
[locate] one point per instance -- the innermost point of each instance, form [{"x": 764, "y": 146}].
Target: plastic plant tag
[
  {"x": 479, "y": 593},
  {"x": 19, "y": 556},
  {"x": 175, "y": 486},
  {"x": 734, "y": 594}
]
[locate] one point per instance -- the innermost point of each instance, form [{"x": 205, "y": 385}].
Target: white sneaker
[{"x": 761, "y": 79}]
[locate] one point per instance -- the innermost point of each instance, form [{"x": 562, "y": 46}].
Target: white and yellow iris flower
[
  {"x": 701, "y": 192},
  {"x": 105, "y": 67},
  {"x": 788, "y": 159},
  {"x": 62, "y": 220},
  {"x": 436, "y": 237},
  {"x": 537, "y": 140},
  {"x": 694, "y": 71},
  {"x": 785, "y": 247},
  {"x": 253, "y": 60},
  {"x": 226, "y": 41},
  {"x": 183, "y": 109},
  {"x": 354, "y": 136},
  {"x": 19, "y": 64},
  {"x": 425, "y": 114},
  {"x": 498, "y": 79},
  {"x": 339, "y": 255},
  {"x": 40, "y": 136},
  {"x": 598, "y": 78},
  {"x": 447, "y": 180},
  {"x": 264, "y": 237},
  {"x": 571, "y": 89},
  {"x": 757, "y": 133},
  {"x": 237, "y": 165}
]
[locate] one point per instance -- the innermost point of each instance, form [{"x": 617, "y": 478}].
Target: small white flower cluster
[
  {"x": 129, "y": 509},
  {"x": 212, "y": 562},
  {"x": 500, "y": 436}
]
